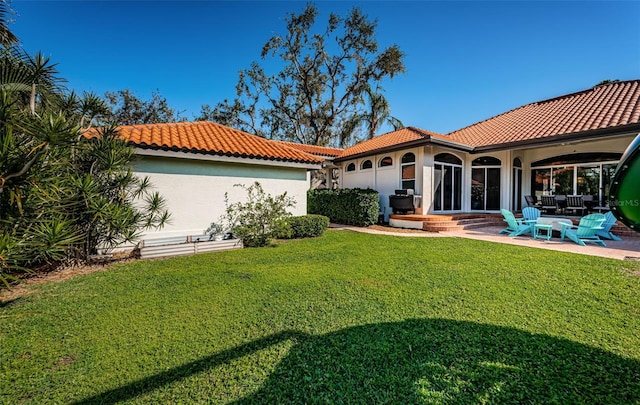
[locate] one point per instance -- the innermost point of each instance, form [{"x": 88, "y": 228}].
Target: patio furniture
[
  {"x": 401, "y": 202},
  {"x": 530, "y": 213},
  {"x": 556, "y": 223},
  {"x": 531, "y": 201},
  {"x": 549, "y": 205},
  {"x": 575, "y": 203},
  {"x": 516, "y": 226},
  {"x": 589, "y": 202},
  {"x": 537, "y": 228},
  {"x": 561, "y": 202},
  {"x": 609, "y": 221},
  {"x": 586, "y": 231}
]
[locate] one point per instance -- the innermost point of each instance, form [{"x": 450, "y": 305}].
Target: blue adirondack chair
[
  {"x": 515, "y": 226},
  {"x": 530, "y": 214},
  {"x": 605, "y": 232},
  {"x": 586, "y": 231}
]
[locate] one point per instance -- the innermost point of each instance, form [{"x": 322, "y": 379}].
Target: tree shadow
[{"x": 424, "y": 361}]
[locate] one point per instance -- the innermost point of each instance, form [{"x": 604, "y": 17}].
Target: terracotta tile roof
[
  {"x": 404, "y": 136},
  {"x": 314, "y": 150},
  {"x": 599, "y": 108},
  {"x": 214, "y": 139}
]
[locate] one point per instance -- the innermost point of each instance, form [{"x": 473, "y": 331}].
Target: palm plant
[
  {"x": 377, "y": 114},
  {"x": 63, "y": 195}
]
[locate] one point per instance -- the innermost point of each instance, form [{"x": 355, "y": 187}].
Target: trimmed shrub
[
  {"x": 349, "y": 206},
  {"x": 308, "y": 226}
]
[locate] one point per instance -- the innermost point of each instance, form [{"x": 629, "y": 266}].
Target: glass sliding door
[
  {"x": 485, "y": 184},
  {"x": 478, "y": 180},
  {"x": 562, "y": 180},
  {"x": 516, "y": 191},
  {"x": 447, "y": 185},
  {"x": 588, "y": 180}
]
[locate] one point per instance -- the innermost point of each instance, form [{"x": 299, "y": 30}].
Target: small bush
[
  {"x": 306, "y": 226},
  {"x": 258, "y": 220},
  {"x": 345, "y": 206}
]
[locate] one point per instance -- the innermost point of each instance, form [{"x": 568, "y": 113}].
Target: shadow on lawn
[{"x": 417, "y": 361}]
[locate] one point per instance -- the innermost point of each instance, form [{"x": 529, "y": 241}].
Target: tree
[
  {"x": 377, "y": 114},
  {"x": 7, "y": 37},
  {"x": 62, "y": 196},
  {"x": 321, "y": 85},
  {"x": 127, "y": 109}
]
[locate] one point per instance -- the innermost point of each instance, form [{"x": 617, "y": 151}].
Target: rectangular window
[{"x": 409, "y": 176}]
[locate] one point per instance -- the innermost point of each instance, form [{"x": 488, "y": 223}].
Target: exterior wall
[
  {"x": 195, "y": 190},
  {"x": 385, "y": 180},
  {"x": 528, "y": 156}
]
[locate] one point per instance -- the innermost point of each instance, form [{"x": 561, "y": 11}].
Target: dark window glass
[
  {"x": 409, "y": 158},
  {"x": 386, "y": 161},
  {"x": 351, "y": 167},
  {"x": 448, "y": 158},
  {"x": 486, "y": 161}
]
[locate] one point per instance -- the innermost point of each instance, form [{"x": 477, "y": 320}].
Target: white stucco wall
[
  {"x": 195, "y": 190},
  {"x": 385, "y": 180}
]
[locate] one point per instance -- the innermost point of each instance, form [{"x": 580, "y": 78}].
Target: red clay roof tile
[
  {"x": 607, "y": 106},
  {"x": 211, "y": 138},
  {"x": 313, "y": 149},
  {"x": 396, "y": 138}
]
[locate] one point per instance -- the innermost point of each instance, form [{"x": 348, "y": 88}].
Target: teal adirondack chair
[
  {"x": 516, "y": 226},
  {"x": 605, "y": 232},
  {"x": 530, "y": 214},
  {"x": 586, "y": 231}
]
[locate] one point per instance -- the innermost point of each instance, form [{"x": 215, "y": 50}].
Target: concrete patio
[{"x": 626, "y": 249}]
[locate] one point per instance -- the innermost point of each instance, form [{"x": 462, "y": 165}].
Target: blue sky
[{"x": 466, "y": 61}]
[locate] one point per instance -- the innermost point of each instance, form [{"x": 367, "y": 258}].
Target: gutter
[{"x": 228, "y": 158}]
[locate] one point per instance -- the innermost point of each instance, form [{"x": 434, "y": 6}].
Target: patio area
[{"x": 626, "y": 249}]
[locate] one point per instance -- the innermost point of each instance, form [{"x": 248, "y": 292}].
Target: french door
[{"x": 485, "y": 188}]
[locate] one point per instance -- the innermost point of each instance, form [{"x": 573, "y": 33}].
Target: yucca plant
[{"x": 63, "y": 196}]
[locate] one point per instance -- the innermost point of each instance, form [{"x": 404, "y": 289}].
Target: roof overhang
[
  {"x": 408, "y": 145},
  {"x": 178, "y": 154},
  {"x": 593, "y": 135}
]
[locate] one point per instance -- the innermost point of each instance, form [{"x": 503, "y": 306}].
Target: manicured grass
[{"x": 345, "y": 318}]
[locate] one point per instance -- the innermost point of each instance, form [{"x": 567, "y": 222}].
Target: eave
[{"x": 408, "y": 145}]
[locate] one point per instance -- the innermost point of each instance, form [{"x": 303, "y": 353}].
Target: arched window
[
  {"x": 366, "y": 165},
  {"x": 448, "y": 158},
  {"x": 385, "y": 161},
  {"x": 351, "y": 167},
  {"x": 408, "y": 171},
  {"x": 486, "y": 161}
]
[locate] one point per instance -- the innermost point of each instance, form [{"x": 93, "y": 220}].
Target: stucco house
[
  {"x": 570, "y": 144},
  {"x": 193, "y": 165},
  {"x": 565, "y": 145}
]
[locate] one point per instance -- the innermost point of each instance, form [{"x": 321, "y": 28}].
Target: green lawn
[{"x": 345, "y": 318}]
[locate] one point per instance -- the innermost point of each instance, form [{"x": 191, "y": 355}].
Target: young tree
[
  {"x": 257, "y": 220},
  {"x": 321, "y": 85}
]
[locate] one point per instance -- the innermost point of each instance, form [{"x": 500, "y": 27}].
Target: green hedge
[
  {"x": 349, "y": 206},
  {"x": 308, "y": 226}
]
